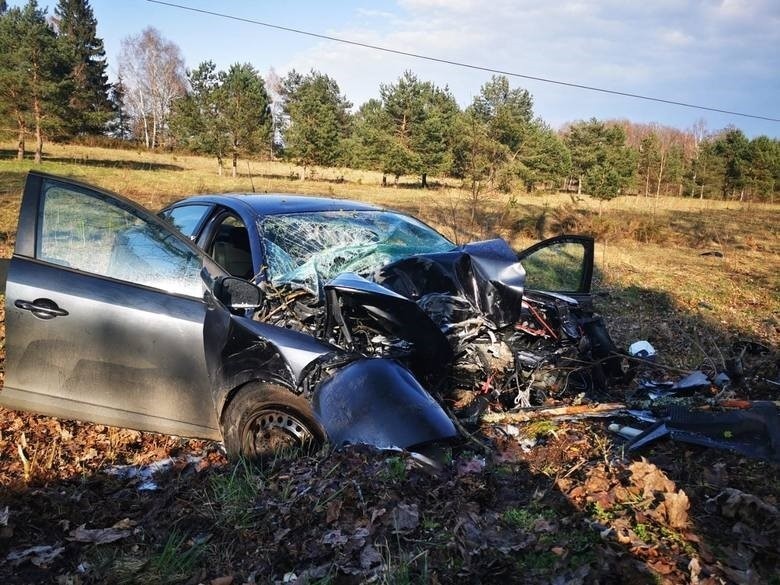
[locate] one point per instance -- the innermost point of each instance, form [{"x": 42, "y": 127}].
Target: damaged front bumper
[{"x": 379, "y": 402}]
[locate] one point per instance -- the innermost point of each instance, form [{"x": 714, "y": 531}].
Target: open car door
[
  {"x": 104, "y": 314},
  {"x": 563, "y": 265}
]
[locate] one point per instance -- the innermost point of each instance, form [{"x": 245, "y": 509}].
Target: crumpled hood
[{"x": 486, "y": 274}]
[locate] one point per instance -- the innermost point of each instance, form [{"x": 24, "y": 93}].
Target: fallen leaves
[
  {"x": 118, "y": 531},
  {"x": 735, "y": 504},
  {"x": 582, "y": 514},
  {"x": 405, "y": 517},
  {"x": 674, "y": 509}
]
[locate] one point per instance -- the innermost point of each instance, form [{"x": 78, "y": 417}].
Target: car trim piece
[{"x": 27, "y": 228}]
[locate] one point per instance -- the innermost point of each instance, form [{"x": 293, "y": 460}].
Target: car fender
[
  {"x": 379, "y": 402},
  {"x": 240, "y": 350}
]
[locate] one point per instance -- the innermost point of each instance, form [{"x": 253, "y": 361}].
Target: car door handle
[{"x": 41, "y": 308}]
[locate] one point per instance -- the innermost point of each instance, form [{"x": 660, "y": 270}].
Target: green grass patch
[{"x": 231, "y": 496}]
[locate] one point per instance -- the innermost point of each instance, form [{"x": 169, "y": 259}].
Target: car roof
[{"x": 280, "y": 203}]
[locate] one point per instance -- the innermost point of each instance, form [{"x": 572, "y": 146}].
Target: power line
[{"x": 461, "y": 64}]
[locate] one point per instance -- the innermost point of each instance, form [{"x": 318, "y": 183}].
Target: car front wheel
[{"x": 265, "y": 419}]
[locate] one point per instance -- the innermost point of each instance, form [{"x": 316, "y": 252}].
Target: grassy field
[
  {"x": 647, "y": 248},
  {"x": 574, "y": 502}
]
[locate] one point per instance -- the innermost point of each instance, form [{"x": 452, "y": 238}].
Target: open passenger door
[{"x": 563, "y": 265}]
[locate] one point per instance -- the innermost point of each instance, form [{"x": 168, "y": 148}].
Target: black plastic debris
[
  {"x": 743, "y": 346},
  {"x": 694, "y": 382},
  {"x": 754, "y": 432}
]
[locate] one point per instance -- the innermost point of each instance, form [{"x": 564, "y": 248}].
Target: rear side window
[
  {"x": 97, "y": 236},
  {"x": 187, "y": 218}
]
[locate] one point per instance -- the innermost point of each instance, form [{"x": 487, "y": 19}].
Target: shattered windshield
[{"x": 309, "y": 248}]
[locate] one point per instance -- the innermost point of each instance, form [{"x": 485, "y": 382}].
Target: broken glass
[{"x": 306, "y": 249}]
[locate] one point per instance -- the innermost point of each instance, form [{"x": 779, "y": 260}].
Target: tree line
[{"x": 54, "y": 85}]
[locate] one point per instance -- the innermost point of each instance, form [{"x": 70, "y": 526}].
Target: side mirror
[{"x": 237, "y": 293}]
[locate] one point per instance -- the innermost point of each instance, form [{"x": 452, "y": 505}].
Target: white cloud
[
  {"x": 375, "y": 13},
  {"x": 675, "y": 37},
  {"x": 732, "y": 8},
  {"x": 449, "y": 5},
  {"x": 681, "y": 50}
]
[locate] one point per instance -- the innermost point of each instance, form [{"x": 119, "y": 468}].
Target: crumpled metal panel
[
  {"x": 487, "y": 274},
  {"x": 379, "y": 402},
  {"x": 399, "y": 317}
]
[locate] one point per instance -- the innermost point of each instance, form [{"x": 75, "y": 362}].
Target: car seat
[{"x": 231, "y": 250}]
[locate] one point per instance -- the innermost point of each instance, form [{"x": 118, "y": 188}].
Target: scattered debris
[
  {"x": 470, "y": 465},
  {"x": 554, "y": 496},
  {"x": 642, "y": 349},
  {"x": 754, "y": 432},
  {"x": 625, "y": 431},
  {"x": 562, "y": 412},
  {"x": 143, "y": 474},
  {"x": 722, "y": 380},
  {"x": 694, "y": 382},
  {"x": 40, "y": 556}
]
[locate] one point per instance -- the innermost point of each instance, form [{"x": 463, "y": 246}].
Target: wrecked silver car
[{"x": 271, "y": 320}]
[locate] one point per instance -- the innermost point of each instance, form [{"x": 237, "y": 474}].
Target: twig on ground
[{"x": 580, "y": 411}]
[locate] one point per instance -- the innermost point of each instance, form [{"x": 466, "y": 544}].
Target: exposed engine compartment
[{"x": 462, "y": 322}]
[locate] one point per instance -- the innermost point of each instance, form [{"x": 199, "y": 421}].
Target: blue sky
[{"x": 719, "y": 53}]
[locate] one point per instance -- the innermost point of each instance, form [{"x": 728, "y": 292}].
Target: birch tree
[{"x": 154, "y": 75}]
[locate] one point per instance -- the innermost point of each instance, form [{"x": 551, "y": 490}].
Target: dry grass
[{"x": 642, "y": 243}]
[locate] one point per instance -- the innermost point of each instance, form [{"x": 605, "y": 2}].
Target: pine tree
[
  {"x": 733, "y": 148},
  {"x": 196, "y": 120},
  {"x": 508, "y": 112},
  {"x": 764, "y": 168},
  {"x": 14, "y": 82},
  {"x": 369, "y": 141},
  {"x": 119, "y": 125},
  {"x": 499, "y": 141},
  {"x": 89, "y": 104},
  {"x": 421, "y": 124},
  {"x": 245, "y": 110},
  {"x": 601, "y": 160},
  {"x": 319, "y": 119},
  {"x": 33, "y": 85},
  {"x": 224, "y": 114}
]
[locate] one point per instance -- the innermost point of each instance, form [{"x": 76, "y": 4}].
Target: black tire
[{"x": 264, "y": 419}]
